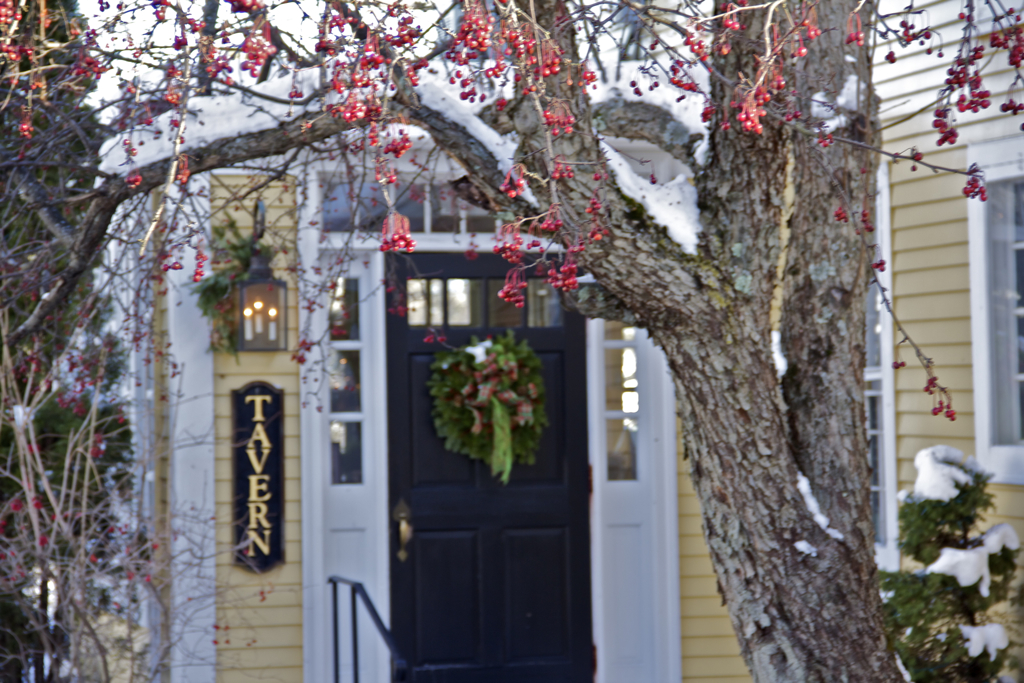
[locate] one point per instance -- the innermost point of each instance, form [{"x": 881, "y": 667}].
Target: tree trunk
[{"x": 811, "y": 614}]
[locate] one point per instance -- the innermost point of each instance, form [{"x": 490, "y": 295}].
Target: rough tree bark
[{"x": 766, "y": 209}]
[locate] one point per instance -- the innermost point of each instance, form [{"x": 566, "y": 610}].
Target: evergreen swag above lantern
[{"x": 489, "y": 402}]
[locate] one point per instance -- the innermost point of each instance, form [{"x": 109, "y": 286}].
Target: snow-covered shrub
[{"x": 937, "y": 616}]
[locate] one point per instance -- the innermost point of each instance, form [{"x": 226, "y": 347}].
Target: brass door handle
[{"x": 402, "y": 514}]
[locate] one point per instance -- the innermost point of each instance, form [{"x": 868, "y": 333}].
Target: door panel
[{"x": 496, "y": 585}]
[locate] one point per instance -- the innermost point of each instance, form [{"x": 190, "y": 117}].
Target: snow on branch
[
  {"x": 672, "y": 204},
  {"x": 971, "y": 566}
]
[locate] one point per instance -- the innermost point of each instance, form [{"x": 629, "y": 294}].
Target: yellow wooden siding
[
  {"x": 930, "y": 256},
  {"x": 259, "y": 616},
  {"x": 710, "y": 651}
]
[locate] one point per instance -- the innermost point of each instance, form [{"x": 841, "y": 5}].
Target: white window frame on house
[
  {"x": 1000, "y": 160},
  {"x": 887, "y": 553}
]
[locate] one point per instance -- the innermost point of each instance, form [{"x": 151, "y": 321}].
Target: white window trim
[
  {"x": 887, "y": 555},
  {"x": 1000, "y": 160}
]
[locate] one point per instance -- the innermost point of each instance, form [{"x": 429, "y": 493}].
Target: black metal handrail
[{"x": 398, "y": 665}]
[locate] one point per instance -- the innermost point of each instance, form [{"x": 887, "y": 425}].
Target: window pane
[
  {"x": 873, "y": 330},
  {"x": 1003, "y": 300},
  {"x": 613, "y": 329},
  {"x": 876, "y": 516},
  {"x": 416, "y": 302},
  {"x": 873, "y": 458},
  {"x": 1020, "y": 344},
  {"x": 409, "y": 200},
  {"x": 872, "y": 410},
  {"x": 543, "y": 307},
  {"x": 500, "y": 313},
  {"x": 620, "y": 379},
  {"x": 444, "y": 210},
  {"x": 346, "y": 453},
  {"x": 348, "y": 205},
  {"x": 436, "y": 302},
  {"x": 477, "y": 219},
  {"x": 1018, "y": 258},
  {"x": 1018, "y": 212},
  {"x": 464, "y": 303},
  {"x": 344, "y": 312},
  {"x": 343, "y": 368},
  {"x": 1020, "y": 410},
  {"x": 621, "y": 449}
]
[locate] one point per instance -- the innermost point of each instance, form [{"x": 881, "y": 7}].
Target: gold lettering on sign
[
  {"x": 262, "y": 543},
  {"x": 259, "y": 483},
  {"x": 259, "y": 401},
  {"x": 258, "y": 488},
  {"x": 259, "y": 436},
  {"x": 258, "y": 515}
]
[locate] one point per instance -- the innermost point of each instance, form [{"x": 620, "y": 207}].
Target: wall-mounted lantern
[{"x": 263, "y": 303}]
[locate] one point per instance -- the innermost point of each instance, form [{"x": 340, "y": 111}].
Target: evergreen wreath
[{"x": 489, "y": 402}]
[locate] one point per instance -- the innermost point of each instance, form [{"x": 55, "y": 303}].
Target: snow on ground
[
  {"x": 990, "y": 637},
  {"x": 672, "y": 204},
  {"x": 971, "y": 566},
  {"x": 811, "y": 502}
]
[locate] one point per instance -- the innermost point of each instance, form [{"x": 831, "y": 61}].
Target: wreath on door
[{"x": 489, "y": 402}]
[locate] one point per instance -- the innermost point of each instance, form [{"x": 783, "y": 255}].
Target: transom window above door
[
  {"x": 430, "y": 208},
  {"x": 474, "y": 303}
]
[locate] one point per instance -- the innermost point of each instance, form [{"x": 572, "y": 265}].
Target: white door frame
[{"x": 657, "y": 473}]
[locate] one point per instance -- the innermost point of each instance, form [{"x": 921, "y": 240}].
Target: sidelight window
[
  {"x": 621, "y": 400},
  {"x": 344, "y": 364}
]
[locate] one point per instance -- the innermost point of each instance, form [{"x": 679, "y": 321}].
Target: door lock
[{"x": 402, "y": 514}]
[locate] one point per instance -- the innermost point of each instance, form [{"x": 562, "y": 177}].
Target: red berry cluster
[
  {"x": 257, "y": 48},
  {"x": 558, "y": 118},
  {"x": 509, "y": 243},
  {"x": 407, "y": 33},
  {"x": 944, "y": 124},
  {"x": 474, "y": 36},
  {"x": 879, "y": 265},
  {"x": 1011, "y": 106},
  {"x": 514, "y": 184},
  {"x": 840, "y": 215},
  {"x": 562, "y": 170},
  {"x": 395, "y": 235},
  {"x": 551, "y": 222},
  {"x": 247, "y": 6},
  {"x": 948, "y": 408},
  {"x": 975, "y": 187},
  {"x": 751, "y": 108},
  {"x": 854, "y": 35},
  {"x": 201, "y": 260},
  {"x": 564, "y": 278},
  {"x": 399, "y": 145},
  {"x": 515, "y": 284},
  {"x": 9, "y": 12}
]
